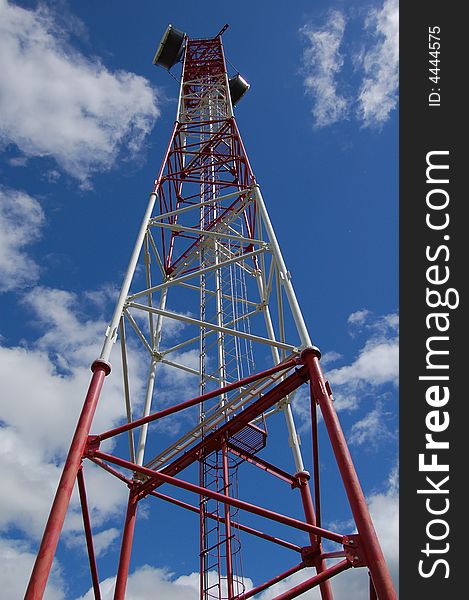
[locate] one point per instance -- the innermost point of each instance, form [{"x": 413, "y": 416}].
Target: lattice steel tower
[{"x": 207, "y": 257}]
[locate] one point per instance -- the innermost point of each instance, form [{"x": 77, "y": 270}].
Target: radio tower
[{"x": 207, "y": 257}]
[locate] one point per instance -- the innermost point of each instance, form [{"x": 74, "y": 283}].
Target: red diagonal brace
[
  {"x": 264, "y": 465},
  {"x": 240, "y": 526},
  {"x": 314, "y": 581},
  {"x": 88, "y": 534},
  {"x": 215, "y": 440},
  {"x": 267, "y": 584},
  {"x": 201, "y": 491},
  {"x": 197, "y": 400}
]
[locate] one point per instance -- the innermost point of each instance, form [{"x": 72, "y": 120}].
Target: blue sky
[{"x": 85, "y": 121}]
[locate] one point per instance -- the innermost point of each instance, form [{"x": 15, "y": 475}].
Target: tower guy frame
[{"x": 207, "y": 259}]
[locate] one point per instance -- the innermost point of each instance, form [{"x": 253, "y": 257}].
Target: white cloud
[
  {"x": 147, "y": 583},
  {"x": 330, "y": 357},
  {"x": 103, "y": 296},
  {"x": 17, "y": 562},
  {"x": 384, "y": 509},
  {"x": 69, "y": 335},
  {"x": 21, "y": 221},
  {"x": 102, "y": 541},
  {"x": 358, "y": 316},
  {"x": 378, "y": 93},
  {"x": 322, "y": 61},
  {"x": 43, "y": 386},
  {"x": 24, "y": 469},
  {"x": 17, "y": 161},
  {"x": 56, "y": 102},
  {"x": 329, "y": 48},
  {"x": 377, "y": 362},
  {"x": 39, "y": 410},
  {"x": 371, "y": 429},
  {"x": 52, "y": 175}
]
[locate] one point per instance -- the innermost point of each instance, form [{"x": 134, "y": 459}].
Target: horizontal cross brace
[
  {"x": 263, "y": 464},
  {"x": 178, "y": 211},
  {"x": 225, "y": 263},
  {"x": 210, "y": 232},
  {"x": 212, "y": 326}
]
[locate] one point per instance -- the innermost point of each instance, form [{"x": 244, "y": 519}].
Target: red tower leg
[
  {"x": 126, "y": 547},
  {"x": 50, "y": 539},
  {"x": 310, "y": 517},
  {"x": 369, "y": 540}
]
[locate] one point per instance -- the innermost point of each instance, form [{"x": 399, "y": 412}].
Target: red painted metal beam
[
  {"x": 198, "y": 400},
  {"x": 338, "y": 554},
  {"x": 299, "y": 589},
  {"x": 50, "y": 539},
  {"x": 88, "y": 534},
  {"x": 126, "y": 547},
  {"x": 111, "y": 470},
  {"x": 273, "y": 581},
  {"x": 240, "y": 526},
  {"x": 369, "y": 540},
  {"x": 215, "y": 440},
  {"x": 264, "y": 465},
  {"x": 315, "y": 447},
  {"x": 201, "y": 491},
  {"x": 310, "y": 516}
]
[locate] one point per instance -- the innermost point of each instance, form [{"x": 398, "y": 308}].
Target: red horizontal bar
[
  {"x": 338, "y": 554},
  {"x": 304, "y": 586},
  {"x": 188, "y": 403},
  {"x": 201, "y": 491},
  {"x": 271, "y": 582}
]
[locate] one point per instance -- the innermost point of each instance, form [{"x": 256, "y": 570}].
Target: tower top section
[{"x": 203, "y": 61}]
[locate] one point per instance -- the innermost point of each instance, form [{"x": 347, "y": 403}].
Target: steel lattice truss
[{"x": 207, "y": 247}]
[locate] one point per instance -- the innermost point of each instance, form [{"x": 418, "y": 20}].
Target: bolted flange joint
[
  {"x": 92, "y": 445},
  {"x": 353, "y": 551},
  {"x": 314, "y": 350},
  {"x": 301, "y": 478},
  {"x": 310, "y": 555},
  {"x": 101, "y": 364}
]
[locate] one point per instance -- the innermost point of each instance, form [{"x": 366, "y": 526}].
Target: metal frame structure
[{"x": 207, "y": 242}]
